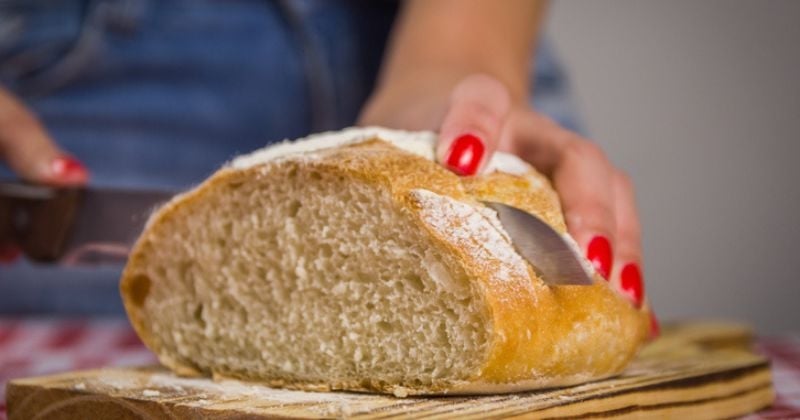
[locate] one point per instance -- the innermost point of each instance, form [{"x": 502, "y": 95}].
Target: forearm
[{"x": 436, "y": 43}]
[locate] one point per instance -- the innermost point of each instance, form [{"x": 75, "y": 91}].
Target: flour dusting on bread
[
  {"x": 420, "y": 143},
  {"x": 473, "y": 231}
]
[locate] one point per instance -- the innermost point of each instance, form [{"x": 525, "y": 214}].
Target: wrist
[
  {"x": 440, "y": 78},
  {"x": 418, "y": 98}
]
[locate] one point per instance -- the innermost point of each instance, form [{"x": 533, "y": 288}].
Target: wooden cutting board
[{"x": 693, "y": 371}]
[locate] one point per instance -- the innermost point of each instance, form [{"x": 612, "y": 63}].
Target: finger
[
  {"x": 583, "y": 177},
  {"x": 473, "y": 124},
  {"x": 655, "y": 326},
  {"x": 537, "y": 139},
  {"x": 627, "y": 275},
  {"x": 28, "y": 150}
]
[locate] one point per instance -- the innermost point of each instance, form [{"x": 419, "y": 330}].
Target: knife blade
[
  {"x": 551, "y": 256},
  {"x": 74, "y": 226}
]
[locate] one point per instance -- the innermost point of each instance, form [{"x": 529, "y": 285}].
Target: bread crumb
[
  {"x": 80, "y": 386},
  {"x": 150, "y": 393},
  {"x": 400, "y": 391}
]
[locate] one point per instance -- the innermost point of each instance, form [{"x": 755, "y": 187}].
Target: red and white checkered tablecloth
[
  {"x": 784, "y": 354},
  {"x": 31, "y": 347}
]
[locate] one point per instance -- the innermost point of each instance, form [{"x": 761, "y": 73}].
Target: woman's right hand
[
  {"x": 32, "y": 155},
  {"x": 479, "y": 117},
  {"x": 27, "y": 149}
]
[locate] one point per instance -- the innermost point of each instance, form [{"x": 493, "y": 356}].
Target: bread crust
[{"x": 543, "y": 336}]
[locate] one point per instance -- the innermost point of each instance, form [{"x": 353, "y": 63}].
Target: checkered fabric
[
  {"x": 31, "y": 347},
  {"x": 784, "y": 354}
]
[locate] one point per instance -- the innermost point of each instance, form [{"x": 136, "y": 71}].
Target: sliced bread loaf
[{"x": 353, "y": 261}]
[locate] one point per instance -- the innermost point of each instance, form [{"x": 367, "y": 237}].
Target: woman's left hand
[{"x": 478, "y": 116}]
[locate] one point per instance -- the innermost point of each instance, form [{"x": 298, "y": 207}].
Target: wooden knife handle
[{"x": 36, "y": 218}]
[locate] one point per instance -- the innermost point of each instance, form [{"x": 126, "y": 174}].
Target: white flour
[
  {"x": 421, "y": 143},
  {"x": 237, "y": 389},
  {"x": 476, "y": 231}
]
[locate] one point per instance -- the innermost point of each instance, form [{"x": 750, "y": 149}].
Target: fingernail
[
  {"x": 68, "y": 169},
  {"x": 655, "y": 329},
  {"x": 631, "y": 283},
  {"x": 465, "y": 155},
  {"x": 599, "y": 253},
  {"x": 9, "y": 254}
]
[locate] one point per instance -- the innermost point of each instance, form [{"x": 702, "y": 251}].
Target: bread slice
[{"x": 352, "y": 261}]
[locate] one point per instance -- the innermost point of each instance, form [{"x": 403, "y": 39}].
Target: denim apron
[{"x": 160, "y": 93}]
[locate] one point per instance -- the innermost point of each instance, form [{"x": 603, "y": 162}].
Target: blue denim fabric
[{"x": 159, "y": 93}]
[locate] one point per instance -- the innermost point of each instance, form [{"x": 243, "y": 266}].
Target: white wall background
[{"x": 700, "y": 102}]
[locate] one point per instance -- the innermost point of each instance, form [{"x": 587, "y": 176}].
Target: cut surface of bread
[{"x": 352, "y": 261}]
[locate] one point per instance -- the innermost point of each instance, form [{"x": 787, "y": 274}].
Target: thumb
[
  {"x": 28, "y": 150},
  {"x": 473, "y": 125}
]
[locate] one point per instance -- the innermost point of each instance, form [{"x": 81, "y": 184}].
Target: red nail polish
[
  {"x": 465, "y": 155},
  {"x": 9, "y": 254},
  {"x": 599, "y": 253},
  {"x": 655, "y": 328},
  {"x": 67, "y": 168},
  {"x": 631, "y": 283}
]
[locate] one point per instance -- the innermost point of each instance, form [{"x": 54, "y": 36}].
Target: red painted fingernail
[
  {"x": 655, "y": 328},
  {"x": 67, "y": 168},
  {"x": 9, "y": 254},
  {"x": 599, "y": 253},
  {"x": 465, "y": 155},
  {"x": 631, "y": 283}
]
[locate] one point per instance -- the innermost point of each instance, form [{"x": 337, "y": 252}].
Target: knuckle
[
  {"x": 483, "y": 88},
  {"x": 583, "y": 149},
  {"x": 484, "y": 81},
  {"x": 630, "y": 231},
  {"x": 483, "y": 114},
  {"x": 594, "y": 215},
  {"x": 476, "y": 118}
]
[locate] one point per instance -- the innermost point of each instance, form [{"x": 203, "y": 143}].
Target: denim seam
[
  {"x": 86, "y": 45},
  {"x": 319, "y": 81}
]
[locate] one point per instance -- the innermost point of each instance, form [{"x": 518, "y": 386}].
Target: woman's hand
[
  {"x": 28, "y": 150},
  {"x": 32, "y": 155},
  {"x": 479, "y": 118},
  {"x": 461, "y": 67}
]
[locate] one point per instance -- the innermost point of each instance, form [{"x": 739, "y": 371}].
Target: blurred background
[{"x": 700, "y": 102}]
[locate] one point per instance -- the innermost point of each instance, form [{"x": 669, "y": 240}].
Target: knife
[
  {"x": 74, "y": 226},
  {"x": 551, "y": 256}
]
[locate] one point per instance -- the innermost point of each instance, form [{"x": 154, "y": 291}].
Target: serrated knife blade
[{"x": 548, "y": 252}]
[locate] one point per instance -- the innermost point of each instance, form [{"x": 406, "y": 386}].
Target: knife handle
[{"x": 37, "y": 218}]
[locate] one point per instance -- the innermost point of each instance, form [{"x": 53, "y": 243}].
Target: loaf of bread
[{"x": 353, "y": 261}]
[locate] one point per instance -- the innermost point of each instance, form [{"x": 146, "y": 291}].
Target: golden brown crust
[
  {"x": 531, "y": 193},
  {"x": 543, "y": 335}
]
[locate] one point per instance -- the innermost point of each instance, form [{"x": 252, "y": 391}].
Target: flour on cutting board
[
  {"x": 237, "y": 389},
  {"x": 208, "y": 393}
]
